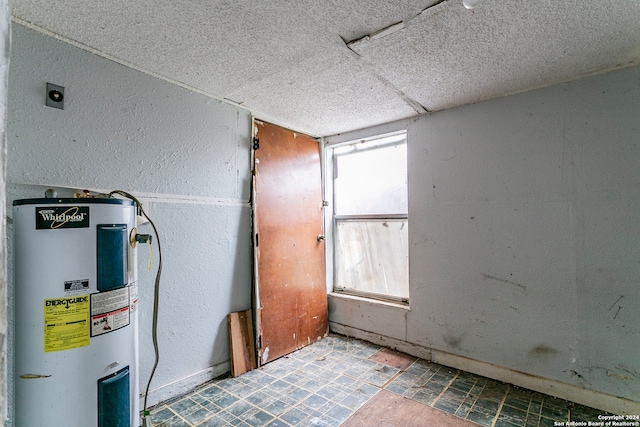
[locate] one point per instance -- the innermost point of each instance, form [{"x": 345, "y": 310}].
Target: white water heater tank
[{"x": 76, "y": 324}]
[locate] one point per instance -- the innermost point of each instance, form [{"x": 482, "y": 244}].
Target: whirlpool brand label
[{"x": 53, "y": 217}]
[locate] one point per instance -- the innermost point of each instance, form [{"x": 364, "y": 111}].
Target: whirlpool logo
[{"x": 48, "y": 218}]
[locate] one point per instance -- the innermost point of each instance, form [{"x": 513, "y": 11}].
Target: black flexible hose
[{"x": 154, "y": 327}]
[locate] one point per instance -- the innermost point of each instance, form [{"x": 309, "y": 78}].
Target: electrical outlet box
[{"x": 55, "y": 96}]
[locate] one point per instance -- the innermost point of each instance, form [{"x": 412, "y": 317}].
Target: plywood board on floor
[
  {"x": 241, "y": 343},
  {"x": 390, "y": 409}
]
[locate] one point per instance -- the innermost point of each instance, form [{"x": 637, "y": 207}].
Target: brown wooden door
[{"x": 291, "y": 293}]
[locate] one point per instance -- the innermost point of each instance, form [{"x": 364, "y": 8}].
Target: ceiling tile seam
[
  {"x": 415, "y": 105},
  {"x": 377, "y": 34},
  {"x": 390, "y": 29},
  {"x": 122, "y": 62}
]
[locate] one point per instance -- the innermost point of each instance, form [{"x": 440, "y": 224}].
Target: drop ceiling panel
[
  {"x": 354, "y": 19},
  {"x": 339, "y": 96},
  {"x": 289, "y": 61},
  {"x": 213, "y": 46},
  {"x": 450, "y": 56}
]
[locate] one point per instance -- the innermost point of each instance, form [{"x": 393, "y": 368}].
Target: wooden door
[{"x": 291, "y": 294}]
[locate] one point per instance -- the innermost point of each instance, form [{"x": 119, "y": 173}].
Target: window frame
[{"x": 331, "y": 219}]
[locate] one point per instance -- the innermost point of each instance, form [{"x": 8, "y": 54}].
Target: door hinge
[
  {"x": 256, "y": 240},
  {"x": 256, "y": 143}
]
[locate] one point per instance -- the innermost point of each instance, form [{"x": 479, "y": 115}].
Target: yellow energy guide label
[{"x": 66, "y": 323}]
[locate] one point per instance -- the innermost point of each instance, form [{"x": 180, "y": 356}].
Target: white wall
[
  {"x": 185, "y": 154},
  {"x": 524, "y": 230},
  {"x": 4, "y": 75}
]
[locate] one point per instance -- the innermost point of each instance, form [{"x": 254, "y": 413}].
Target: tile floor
[{"x": 325, "y": 383}]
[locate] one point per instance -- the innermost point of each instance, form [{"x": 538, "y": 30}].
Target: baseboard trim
[
  {"x": 583, "y": 396},
  {"x": 394, "y": 343},
  {"x": 183, "y": 385}
]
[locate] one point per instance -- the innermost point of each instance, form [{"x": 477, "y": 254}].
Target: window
[{"x": 370, "y": 229}]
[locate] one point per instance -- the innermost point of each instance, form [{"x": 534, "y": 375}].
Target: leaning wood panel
[{"x": 241, "y": 342}]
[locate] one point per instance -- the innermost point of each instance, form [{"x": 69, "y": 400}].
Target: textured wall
[
  {"x": 119, "y": 128},
  {"x": 524, "y": 233},
  {"x": 188, "y": 155},
  {"x": 4, "y": 75}
]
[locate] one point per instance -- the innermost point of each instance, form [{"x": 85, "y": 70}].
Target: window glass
[
  {"x": 370, "y": 224},
  {"x": 372, "y": 257},
  {"x": 371, "y": 180}
]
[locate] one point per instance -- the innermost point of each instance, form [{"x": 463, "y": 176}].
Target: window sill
[{"x": 370, "y": 300}]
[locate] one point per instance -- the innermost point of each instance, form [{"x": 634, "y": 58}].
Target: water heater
[{"x": 76, "y": 325}]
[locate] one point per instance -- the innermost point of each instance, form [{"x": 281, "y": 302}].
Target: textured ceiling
[{"x": 327, "y": 67}]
